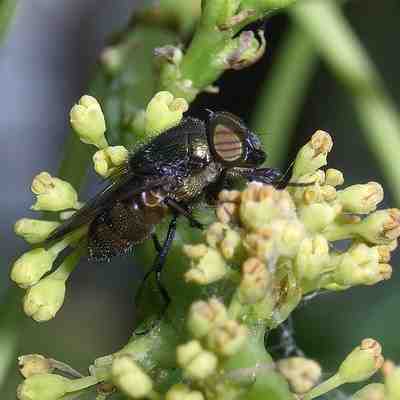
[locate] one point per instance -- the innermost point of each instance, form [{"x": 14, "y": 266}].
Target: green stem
[
  {"x": 330, "y": 384},
  {"x": 214, "y": 46},
  {"x": 7, "y": 11},
  {"x": 283, "y": 93},
  {"x": 82, "y": 383},
  {"x": 333, "y": 37}
]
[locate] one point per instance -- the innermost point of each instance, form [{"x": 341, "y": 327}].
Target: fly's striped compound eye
[{"x": 227, "y": 143}]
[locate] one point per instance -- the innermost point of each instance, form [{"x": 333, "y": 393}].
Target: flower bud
[
  {"x": 362, "y": 362},
  {"x": 312, "y": 155},
  {"x": 34, "y": 230},
  {"x": 163, "y": 112},
  {"x": 255, "y": 281},
  {"x": 107, "y": 159},
  {"x": 227, "y": 338},
  {"x": 43, "y": 387},
  {"x": 209, "y": 268},
  {"x": 53, "y": 194},
  {"x": 88, "y": 122},
  {"x": 381, "y": 227},
  {"x": 43, "y": 300},
  {"x": 373, "y": 391},
  {"x": 183, "y": 392},
  {"x": 130, "y": 378},
  {"x": 171, "y": 54},
  {"x": 361, "y": 199},
  {"x": 334, "y": 177},
  {"x": 243, "y": 51},
  {"x": 261, "y": 204},
  {"x": 360, "y": 266},
  {"x": 302, "y": 373},
  {"x": 226, "y": 239},
  {"x": 196, "y": 362},
  {"x": 312, "y": 257},
  {"x": 31, "y": 266},
  {"x": 205, "y": 315},
  {"x": 317, "y": 216},
  {"x": 392, "y": 381},
  {"x": 33, "y": 364}
]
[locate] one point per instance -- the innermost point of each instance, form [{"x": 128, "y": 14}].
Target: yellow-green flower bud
[
  {"x": 312, "y": 155},
  {"x": 362, "y": 362},
  {"x": 196, "y": 362},
  {"x": 360, "y": 266},
  {"x": 33, "y": 364},
  {"x": 53, "y": 194},
  {"x": 183, "y": 392},
  {"x": 31, "y": 266},
  {"x": 208, "y": 268},
  {"x": 261, "y": 204},
  {"x": 301, "y": 373},
  {"x": 392, "y": 381},
  {"x": 226, "y": 239},
  {"x": 43, "y": 300},
  {"x": 361, "y": 199},
  {"x": 255, "y": 281},
  {"x": 43, "y": 387},
  {"x": 373, "y": 391},
  {"x": 128, "y": 377},
  {"x": 34, "y": 230},
  {"x": 88, "y": 122},
  {"x": 205, "y": 315},
  {"x": 312, "y": 257},
  {"x": 107, "y": 159},
  {"x": 227, "y": 338},
  {"x": 164, "y": 112},
  {"x": 317, "y": 216},
  {"x": 334, "y": 177},
  {"x": 380, "y": 227}
]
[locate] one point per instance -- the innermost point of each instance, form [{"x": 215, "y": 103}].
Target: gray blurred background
[{"x": 45, "y": 64}]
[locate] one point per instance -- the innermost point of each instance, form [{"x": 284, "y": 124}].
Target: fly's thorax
[{"x": 192, "y": 186}]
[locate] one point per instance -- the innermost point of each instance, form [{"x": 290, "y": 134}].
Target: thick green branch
[{"x": 215, "y": 47}]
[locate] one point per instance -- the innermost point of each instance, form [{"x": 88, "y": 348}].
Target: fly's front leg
[
  {"x": 180, "y": 210},
  {"x": 269, "y": 176}
]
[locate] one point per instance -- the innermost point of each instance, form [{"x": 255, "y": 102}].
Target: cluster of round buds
[
  {"x": 281, "y": 240},
  {"x": 45, "y": 295}
]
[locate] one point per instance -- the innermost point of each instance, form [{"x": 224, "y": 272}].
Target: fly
[{"x": 169, "y": 176}]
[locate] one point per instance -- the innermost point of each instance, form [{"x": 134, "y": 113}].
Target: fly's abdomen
[{"x": 118, "y": 229}]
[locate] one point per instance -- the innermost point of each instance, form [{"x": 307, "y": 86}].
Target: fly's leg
[
  {"x": 156, "y": 242},
  {"x": 178, "y": 209},
  {"x": 272, "y": 176},
  {"x": 157, "y": 269}
]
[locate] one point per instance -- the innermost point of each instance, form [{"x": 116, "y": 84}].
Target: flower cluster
[
  {"x": 267, "y": 249},
  {"x": 283, "y": 241},
  {"x": 45, "y": 294}
]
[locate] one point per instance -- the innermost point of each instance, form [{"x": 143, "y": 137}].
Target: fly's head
[{"x": 231, "y": 143}]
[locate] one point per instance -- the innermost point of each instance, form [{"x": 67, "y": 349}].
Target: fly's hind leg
[{"x": 157, "y": 269}]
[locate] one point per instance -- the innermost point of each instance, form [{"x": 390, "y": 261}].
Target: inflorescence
[{"x": 270, "y": 247}]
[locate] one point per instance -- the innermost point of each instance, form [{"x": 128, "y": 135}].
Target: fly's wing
[{"x": 119, "y": 190}]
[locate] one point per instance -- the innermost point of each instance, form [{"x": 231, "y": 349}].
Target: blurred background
[{"x": 46, "y": 61}]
